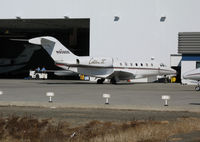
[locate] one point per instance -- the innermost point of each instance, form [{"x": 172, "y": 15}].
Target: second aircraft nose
[{"x": 185, "y": 76}]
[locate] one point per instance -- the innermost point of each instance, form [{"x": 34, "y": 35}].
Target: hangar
[{"x": 18, "y": 56}]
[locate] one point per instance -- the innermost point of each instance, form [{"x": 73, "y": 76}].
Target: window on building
[
  {"x": 141, "y": 64},
  {"x": 198, "y": 64},
  {"x": 126, "y": 64},
  {"x": 120, "y": 64},
  {"x": 147, "y": 64},
  {"x": 131, "y": 64},
  {"x": 152, "y": 64},
  {"x": 136, "y": 64}
]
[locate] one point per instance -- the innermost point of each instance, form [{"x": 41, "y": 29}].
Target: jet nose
[
  {"x": 167, "y": 71},
  {"x": 172, "y": 71},
  {"x": 186, "y": 75}
]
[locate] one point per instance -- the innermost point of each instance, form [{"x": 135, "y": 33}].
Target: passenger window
[
  {"x": 136, "y": 64},
  {"x": 131, "y": 64},
  {"x": 147, "y": 64},
  {"x": 120, "y": 64},
  {"x": 126, "y": 64},
  {"x": 141, "y": 64},
  {"x": 151, "y": 64}
]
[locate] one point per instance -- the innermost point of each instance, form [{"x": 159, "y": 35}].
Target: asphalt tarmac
[{"x": 84, "y": 94}]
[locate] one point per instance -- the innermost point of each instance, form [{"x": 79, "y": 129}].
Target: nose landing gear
[
  {"x": 112, "y": 81},
  {"x": 100, "y": 81},
  {"x": 197, "y": 88}
]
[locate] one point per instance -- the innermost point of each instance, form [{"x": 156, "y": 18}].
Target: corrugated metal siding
[{"x": 189, "y": 42}]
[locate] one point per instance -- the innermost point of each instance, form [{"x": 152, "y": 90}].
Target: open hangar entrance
[{"x": 17, "y": 56}]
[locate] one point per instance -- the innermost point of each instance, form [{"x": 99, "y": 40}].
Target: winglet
[{"x": 36, "y": 40}]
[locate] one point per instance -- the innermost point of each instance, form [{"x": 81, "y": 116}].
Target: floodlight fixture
[
  {"x": 116, "y": 18},
  {"x": 163, "y": 18},
  {"x": 50, "y": 95},
  {"x": 165, "y": 98}
]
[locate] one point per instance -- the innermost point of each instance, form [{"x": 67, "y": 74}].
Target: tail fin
[{"x": 55, "y": 49}]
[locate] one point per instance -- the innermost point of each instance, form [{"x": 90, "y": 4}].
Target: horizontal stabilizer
[{"x": 15, "y": 39}]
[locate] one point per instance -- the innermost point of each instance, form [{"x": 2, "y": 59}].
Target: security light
[
  {"x": 162, "y": 18},
  {"x": 18, "y": 18},
  {"x": 116, "y": 18},
  {"x": 66, "y": 17}
]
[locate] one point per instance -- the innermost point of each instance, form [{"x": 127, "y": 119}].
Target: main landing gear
[
  {"x": 197, "y": 88},
  {"x": 100, "y": 81},
  {"x": 113, "y": 81}
]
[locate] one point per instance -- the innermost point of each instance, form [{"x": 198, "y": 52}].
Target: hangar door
[{"x": 17, "y": 57}]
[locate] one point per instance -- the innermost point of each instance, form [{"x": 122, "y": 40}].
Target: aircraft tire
[
  {"x": 100, "y": 81},
  {"x": 197, "y": 88},
  {"x": 37, "y": 77},
  {"x": 113, "y": 81}
]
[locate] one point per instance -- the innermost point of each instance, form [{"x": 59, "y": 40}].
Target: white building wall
[
  {"x": 175, "y": 60},
  {"x": 138, "y": 34},
  {"x": 185, "y": 67},
  {"x": 147, "y": 79}
]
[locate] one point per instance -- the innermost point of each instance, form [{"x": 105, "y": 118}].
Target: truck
[{"x": 38, "y": 75}]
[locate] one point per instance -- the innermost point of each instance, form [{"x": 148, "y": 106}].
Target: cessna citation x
[
  {"x": 193, "y": 75},
  {"x": 99, "y": 67}
]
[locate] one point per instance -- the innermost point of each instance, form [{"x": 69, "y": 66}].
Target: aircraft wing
[
  {"x": 121, "y": 75},
  {"x": 61, "y": 72},
  {"x": 118, "y": 75},
  {"x": 65, "y": 73}
]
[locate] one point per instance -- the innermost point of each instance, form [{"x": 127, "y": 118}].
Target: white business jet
[
  {"x": 193, "y": 75},
  {"x": 99, "y": 67}
]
